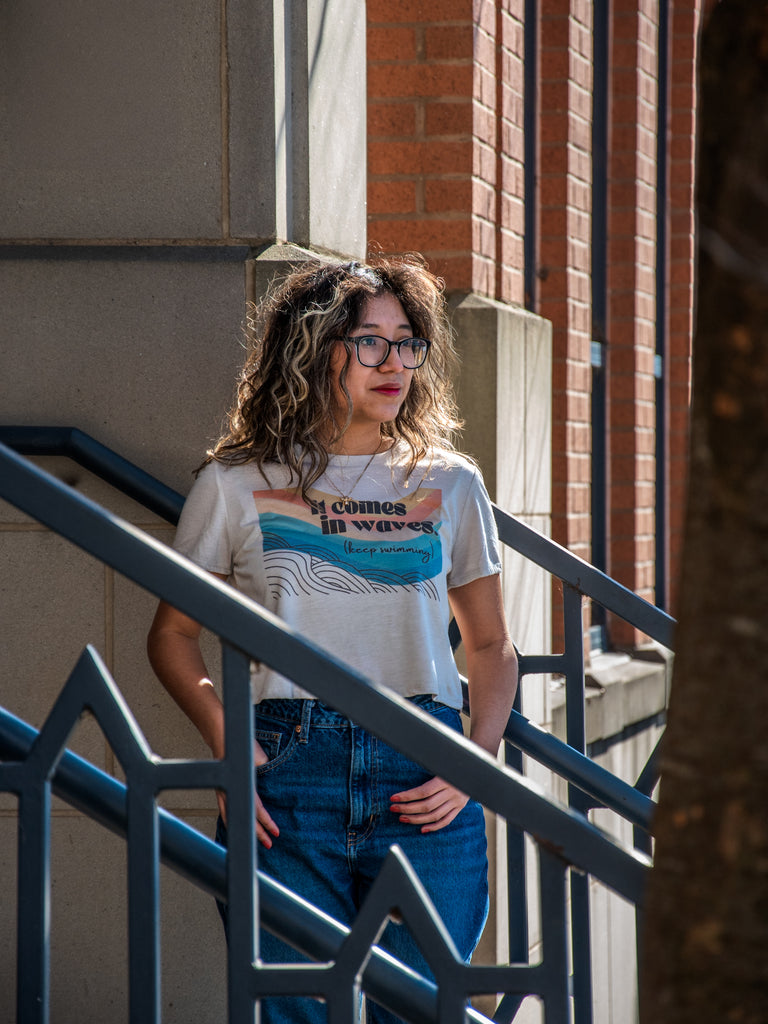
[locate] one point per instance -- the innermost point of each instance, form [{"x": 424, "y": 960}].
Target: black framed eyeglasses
[{"x": 373, "y": 350}]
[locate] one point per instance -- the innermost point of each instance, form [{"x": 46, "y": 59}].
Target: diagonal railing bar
[
  {"x": 585, "y": 578},
  {"x": 251, "y": 629},
  {"x": 201, "y": 861},
  {"x": 650, "y": 775},
  {"x": 151, "y": 492},
  {"x": 99, "y": 460},
  {"x": 605, "y": 788}
]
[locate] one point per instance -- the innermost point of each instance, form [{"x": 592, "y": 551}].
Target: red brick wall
[
  {"x": 445, "y": 138},
  {"x": 510, "y": 152},
  {"x": 564, "y": 256},
  {"x": 446, "y": 165},
  {"x": 632, "y": 301}
]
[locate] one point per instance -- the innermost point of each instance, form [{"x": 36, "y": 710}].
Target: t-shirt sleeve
[
  {"x": 476, "y": 544},
  {"x": 203, "y": 532}
]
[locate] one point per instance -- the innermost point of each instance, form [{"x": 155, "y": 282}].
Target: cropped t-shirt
[{"x": 366, "y": 578}]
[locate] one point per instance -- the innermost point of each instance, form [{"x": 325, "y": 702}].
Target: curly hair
[{"x": 285, "y": 390}]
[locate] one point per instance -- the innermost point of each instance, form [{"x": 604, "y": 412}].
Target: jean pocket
[
  {"x": 278, "y": 740},
  {"x": 269, "y": 741}
]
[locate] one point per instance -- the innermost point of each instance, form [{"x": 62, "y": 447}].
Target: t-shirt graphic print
[{"x": 354, "y": 546}]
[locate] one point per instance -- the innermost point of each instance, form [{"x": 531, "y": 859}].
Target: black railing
[{"x": 245, "y": 627}]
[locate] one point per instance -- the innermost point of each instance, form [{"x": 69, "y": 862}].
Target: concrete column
[
  {"x": 505, "y": 397},
  {"x": 242, "y": 122}
]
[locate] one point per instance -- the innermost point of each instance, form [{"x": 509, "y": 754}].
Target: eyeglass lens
[{"x": 373, "y": 350}]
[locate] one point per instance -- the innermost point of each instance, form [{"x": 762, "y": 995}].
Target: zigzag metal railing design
[
  {"x": 116, "y": 544},
  {"x": 187, "y": 852},
  {"x": 579, "y": 579}
]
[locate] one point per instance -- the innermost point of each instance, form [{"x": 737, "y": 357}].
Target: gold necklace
[{"x": 348, "y": 497}]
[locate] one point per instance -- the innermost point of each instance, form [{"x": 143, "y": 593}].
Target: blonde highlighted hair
[{"x": 285, "y": 390}]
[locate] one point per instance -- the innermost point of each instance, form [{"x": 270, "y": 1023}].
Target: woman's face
[{"x": 377, "y": 392}]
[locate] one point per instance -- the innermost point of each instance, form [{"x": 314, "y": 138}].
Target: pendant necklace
[{"x": 348, "y": 497}]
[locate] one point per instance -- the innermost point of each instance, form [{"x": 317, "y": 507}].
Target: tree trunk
[{"x": 706, "y": 929}]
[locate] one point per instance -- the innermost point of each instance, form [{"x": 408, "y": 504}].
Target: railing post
[
  {"x": 243, "y": 912},
  {"x": 517, "y": 887},
  {"x": 575, "y": 713},
  {"x": 33, "y": 910},
  {"x": 554, "y": 937},
  {"x": 143, "y": 899}
]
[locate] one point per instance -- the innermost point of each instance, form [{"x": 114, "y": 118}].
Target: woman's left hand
[{"x": 432, "y": 806}]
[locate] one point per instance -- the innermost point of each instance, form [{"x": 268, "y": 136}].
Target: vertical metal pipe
[
  {"x": 581, "y": 939},
  {"x": 530, "y": 151},
  {"x": 241, "y": 833},
  {"x": 143, "y": 899},
  {"x": 662, "y": 190},
  {"x": 554, "y": 936},
  {"x": 516, "y": 875},
  {"x": 573, "y": 630},
  {"x": 33, "y": 908},
  {"x": 576, "y": 737},
  {"x": 599, "y": 298},
  {"x": 517, "y": 884}
]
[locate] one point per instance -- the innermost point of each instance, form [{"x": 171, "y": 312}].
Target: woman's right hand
[
  {"x": 265, "y": 826},
  {"x": 174, "y": 651}
]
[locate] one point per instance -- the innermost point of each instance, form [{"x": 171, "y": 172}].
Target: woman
[{"x": 335, "y": 499}]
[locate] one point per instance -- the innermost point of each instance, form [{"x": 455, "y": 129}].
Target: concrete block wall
[
  {"x": 98, "y": 344},
  {"x": 151, "y": 157},
  {"x": 504, "y": 391},
  {"x": 184, "y": 122}
]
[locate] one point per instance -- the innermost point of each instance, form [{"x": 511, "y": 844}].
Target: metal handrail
[
  {"x": 593, "y": 852},
  {"x": 100, "y": 460},
  {"x": 572, "y": 765},
  {"x": 167, "y": 503},
  {"x": 585, "y": 578},
  {"x": 249, "y": 628}
]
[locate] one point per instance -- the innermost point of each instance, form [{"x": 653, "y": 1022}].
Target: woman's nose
[{"x": 393, "y": 360}]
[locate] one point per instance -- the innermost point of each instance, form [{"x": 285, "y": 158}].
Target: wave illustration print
[
  {"x": 294, "y": 572},
  {"x": 298, "y": 560}
]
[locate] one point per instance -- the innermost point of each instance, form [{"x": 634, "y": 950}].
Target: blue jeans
[{"x": 327, "y": 785}]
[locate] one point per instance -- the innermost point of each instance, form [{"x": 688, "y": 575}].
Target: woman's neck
[{"x": 358, "y": 442}]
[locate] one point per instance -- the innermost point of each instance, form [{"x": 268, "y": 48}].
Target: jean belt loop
[{"x": 306, "y": 715}]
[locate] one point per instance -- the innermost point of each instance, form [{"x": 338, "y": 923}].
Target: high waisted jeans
[{"x": 327, "y": 785}]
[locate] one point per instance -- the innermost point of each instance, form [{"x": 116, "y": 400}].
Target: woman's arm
[
  {"x": 491, "y": 659},
  {"x": 492, "y": 677},
  {"x": 174, "y": 652}
]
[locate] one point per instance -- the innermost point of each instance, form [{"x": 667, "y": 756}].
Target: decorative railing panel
[{"x": 565, "y": 837}]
